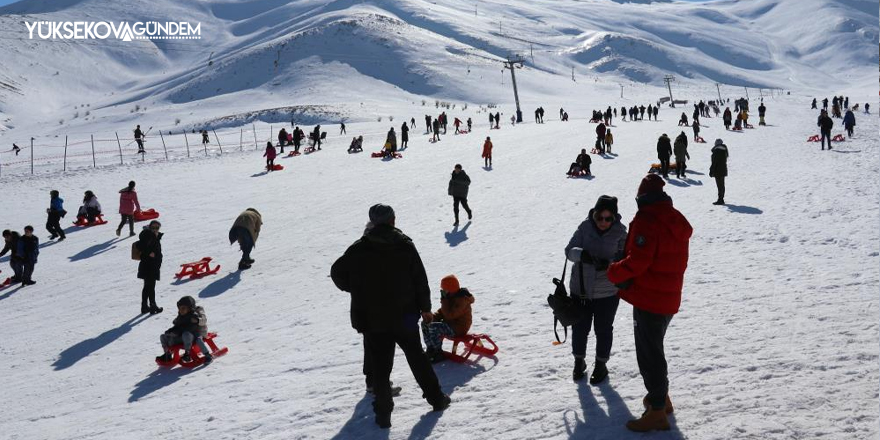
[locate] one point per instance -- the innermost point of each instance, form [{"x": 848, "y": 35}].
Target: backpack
[
  {"x": 566, "y": 309},
  {"x": 135, "y": 252}
]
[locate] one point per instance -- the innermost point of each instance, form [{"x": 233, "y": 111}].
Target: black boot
[
  {"x": 600, "y": 372},
  {"x": 441, "y": 403},
  {"x": 580, "y": 368},
  {"x": 155, "y": 310}
]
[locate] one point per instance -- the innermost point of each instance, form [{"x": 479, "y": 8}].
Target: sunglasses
[
  {"x": 155, "y": 228},
  {"x": 600, "y": 218}
]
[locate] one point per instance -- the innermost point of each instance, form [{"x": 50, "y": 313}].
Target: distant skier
[
  {"x": 849, "y": 121},
  {"x": 718, "y": 169},
  {"x": 149, "y": 245},
  {"x": 270, "y": 155},
  {"x": 17, "y": 149},
  {"x": 487, "y": 153},
  {"x": 664, "y": 151},
  {"x": 458, "y": 189},
  {"x": 825, "y": 125},
  {"x": 139, "y": 138},
  {"x": 55, "y": 211},
  {"x": 681, "y": 155},
  {"x": 246, "y": 230}
]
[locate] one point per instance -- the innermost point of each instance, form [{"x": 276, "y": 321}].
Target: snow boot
[
  {"x": 652, "y": 420},
  {"x": 28, "y": 283},
  {"x": 166, "y": 357},
  {"x": 435, "y": 355},
  {"x": 718, "y": 202},
  {"x": 395, "y": 391},
  {"x": 600, "y": 373},
  {"x": 155, "y": 310},
  {"x": 580, "y": 369},
  {"x": 118, "y": 232},
  {"x": 442, "y": 403},
  {"x": 383, "y": 420},
  {"x": 243, "y": 265},
  {"x": 669, "y": 408},
  {"x": 144, "y": 309},
  {"x": 53, "y": 236},
  {"x": 470, "y": 214},
  {"x": 208, "y": 359},
  {"x": 185, "y": 357}
]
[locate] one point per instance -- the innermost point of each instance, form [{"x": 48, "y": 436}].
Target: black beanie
[
  {"x": 187, "y": 301},
  {"x": 606, "y": 202},
  {"x": 381, "y": 214}
]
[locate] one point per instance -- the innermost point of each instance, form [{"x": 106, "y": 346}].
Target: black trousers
[
  {"x": 379, "y": 354},
  {"x": 680, "y": 166},
  {"x": 53, "y": 224},
  {"x": 148, "y": 295},
  {"x": 464, "y": 204},
  {"x": 598, "y": 314},
  {"x": 719, "y": 182},
  {"x": 649, "y": 331},
  {"x": 27, "y": 270},
  {"x": 664, "y": 166},
  {"x": 127, "y": 219}
]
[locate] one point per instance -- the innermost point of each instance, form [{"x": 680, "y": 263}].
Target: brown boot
[
  {"x": 669, "y": 408},
  {"x": 652, "y": 420}
]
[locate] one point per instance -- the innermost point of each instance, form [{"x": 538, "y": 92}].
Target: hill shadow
[
  {"x": 221, "y": 285},
  {"x": 157, "y": 380},
  {"x": 92, "y": 251},
  {"x": 81, "y": 350},
  {"x": 457, "y": 236},
  {"x": 451, "y": 376},
  {"x": 744, "y": 209}
]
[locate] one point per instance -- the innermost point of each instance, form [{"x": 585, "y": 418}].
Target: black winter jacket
[
  {"x": 664, "y": 147},
  {"x": 459, "y": 184},
  {"x": 149, "y": 267}
]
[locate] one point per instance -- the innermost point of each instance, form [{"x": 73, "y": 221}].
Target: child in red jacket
[{"x": 453, "y": 319}]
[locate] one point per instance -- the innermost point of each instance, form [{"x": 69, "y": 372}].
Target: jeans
[
  {"x": 127, "y": 219},
  {"x": 381, "y": 346},
  {"x": 53, "y": 224},
  {"x": 185, "y": 338},
  {"x": 649, "y": 331},
  {"x": 600, "y": 314},
  {"x": 464, "y": 204},
  {"x": 434, "y": 332}
]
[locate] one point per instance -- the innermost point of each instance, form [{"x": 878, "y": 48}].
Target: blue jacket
[
  {"x": 28, "y": 248},
  {"x": 57, "y": 204},
  {"x": 849, "y": 119}
]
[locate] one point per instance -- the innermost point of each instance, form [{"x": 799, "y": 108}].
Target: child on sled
[
  {"x": 190, "y": 325},
  {"x": 452, "y": 319}
]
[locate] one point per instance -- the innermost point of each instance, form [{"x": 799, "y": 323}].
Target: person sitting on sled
[
  {"x": 190, "y": 325},
  {"x": 581, "y": 164},
  {"x": 452, "y": 319}
]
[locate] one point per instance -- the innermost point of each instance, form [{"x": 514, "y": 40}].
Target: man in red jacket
[{"x": 650, "y": 278}]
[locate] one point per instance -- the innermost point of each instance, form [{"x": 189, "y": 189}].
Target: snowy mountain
[{"x": 268, "y": 54}]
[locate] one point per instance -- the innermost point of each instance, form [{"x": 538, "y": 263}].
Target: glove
[
  {"x": 624, "y": 285},
  {"x": 601, "y": 264},
  {"x": 586, "y": 258}
]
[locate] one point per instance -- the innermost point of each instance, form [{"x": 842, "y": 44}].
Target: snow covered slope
[{"x": 275, "y": 53}]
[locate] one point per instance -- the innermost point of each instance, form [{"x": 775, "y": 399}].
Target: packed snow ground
[{"x": 777, "y": 337}]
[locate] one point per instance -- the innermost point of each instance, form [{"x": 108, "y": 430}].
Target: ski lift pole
[
  {"x": 94, "y": 163},
  {"x": 120, "y": 148},
  {"x": 218, "y": 141},
  {"x": 163, "y": 145},
  {"x": 256, "y": 145},
  {"x": 65, "y": 153},
  {"x": 187, "y": 143},
  {"x": 32, "y": 155}
]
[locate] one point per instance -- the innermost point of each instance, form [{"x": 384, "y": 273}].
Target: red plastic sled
[
  {"x": 813, "y": 138},
  {"x": 276, "y": 167},
  {"x": 83, "y": 221},
  {"x": 473, "y": 344},
  {"x": 147, "y": 214},
  {"x": 196, "y": 269},
  {"x": 838, "y": 138},
  {"x": 736, "y": 129},
  {"x": 381, "y": 154},
  {"x": 195, "y": 353},
  {"x": 5, "y": 282},
  {"x": 309, "y": 150},
  {"x": 700, "y": 140},
  {"x": 750, "y": 126},
  {"x": 293, "y": 154},
  {"x": 580, "y": 173}
]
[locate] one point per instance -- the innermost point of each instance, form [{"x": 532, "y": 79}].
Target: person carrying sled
[
  {"x": 270, "y": 155},
  {"x": 385, "y": 308},
  {"x": 487, "y": 153},
  {"x": 681, "y": 155},
  {"x": 246, "y": 230},
  {"x": 664, "y": 151},
  {"x": 597, "y": 242},
  {"x": 452, "y": 319},
  {"x": 718, "y": 168},
  {"x": 190, "y": 325},
  {"x": 128, "y": 205},
  {"x": 149, "y": 245},
  {"x": 458, "y": 189},
  {"x": 55, "y": 213},
  {"x": 650, "y": 277}
]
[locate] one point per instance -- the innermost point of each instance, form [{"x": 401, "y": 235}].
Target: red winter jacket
[
  {"x": 128, "y": 201},
  {"x": 656, "y": 258}
]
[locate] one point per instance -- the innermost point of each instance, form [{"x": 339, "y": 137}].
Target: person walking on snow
[
  {"x": 664, "y": 151},
  {"x": 458, "y": 189},
  {"x": 246, "y": 230},
  {"x": 600, "y": 137},
  {"x": 650, "y": 277},
  {"x": 149, "y": 245},
  {"x": 609, "y": 140},
  {"x": 28, "y": 251},
  {"x": 469, "y": 124},
  {"x": 55, "y": 211},
  {"x": 762, "y": 111},
  {"x": 385, "y": 308},
  {"x": 825, "y": 125},
  {"x": 728, "y": 118},
  {"x": 849, "y": 121},
  {"x": 428, "y": 124},
  {"x": 456, "y": 123},
  {"x": 718, "y": 169},
  {"x": 597, "y": 242},
  {"x": 270, "y": 155},
  {"x": 681, "y": 155},
  {"x": 342, "y": 127},
  {"x": 10, "y": 240},
  {"x": 316, "y": 134},
  {"x": 487, "y": 153},
  {"x": 404, "y": 136},
  {"x": 696, "y": 127},
  {"x": 128, "y": 205},
  {"x": 436, "y": 127}
]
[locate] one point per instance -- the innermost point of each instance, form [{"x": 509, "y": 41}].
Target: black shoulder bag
[{"x": 565, "y": 308}]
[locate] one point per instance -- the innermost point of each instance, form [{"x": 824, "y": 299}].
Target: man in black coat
[
  {"x": 150, "y": 246},
  {"x": 459, "y": 184},
  {"x": 825, "y": 125},
  {"x": 718, "y": 169},
  {"x": 664, "y": 151},
  {"x": 385, "y": 307}
]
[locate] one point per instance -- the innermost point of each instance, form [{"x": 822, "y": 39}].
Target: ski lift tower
[
  {"x": 515, "y": 63},
  {"x": 668, "y": 79}
]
